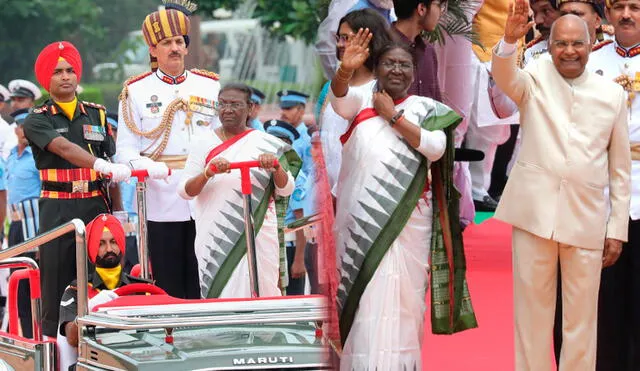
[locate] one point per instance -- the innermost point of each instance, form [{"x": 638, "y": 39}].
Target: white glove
[
  {"x": 156, "y": 169},
  {"x": 118, "y": 172},
  {"x": 103, "y": 296}
]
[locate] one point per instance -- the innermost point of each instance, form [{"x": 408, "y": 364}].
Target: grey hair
[{"x": 570, "y": 16}]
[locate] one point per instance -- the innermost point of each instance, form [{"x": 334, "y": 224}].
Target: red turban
[
  {"x": 94, "y": 234},
  {"x": 48, "y": 60}
]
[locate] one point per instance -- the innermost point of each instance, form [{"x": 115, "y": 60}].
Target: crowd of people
[{"x": 390, "y": 161}]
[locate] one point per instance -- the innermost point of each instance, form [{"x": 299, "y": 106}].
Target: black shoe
[{"x": 487, "y": 204}]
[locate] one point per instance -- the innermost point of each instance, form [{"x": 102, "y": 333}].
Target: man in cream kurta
[{"x": 574, "y": 144}]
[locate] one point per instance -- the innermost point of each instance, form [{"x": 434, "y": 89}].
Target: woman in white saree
[
  {"x": 220, "y": 241},
  {"x": 387, "y": 227}
]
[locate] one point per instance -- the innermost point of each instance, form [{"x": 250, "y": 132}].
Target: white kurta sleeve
[
  {"x": 349, "y": 105},
  {"x": 287, "y": 190},
  {"x": 505, "y": 49},
  {"x": 432, "y": 144},
  {"x": 514, "y": 82},
  {"x": 194, "y": 166}
]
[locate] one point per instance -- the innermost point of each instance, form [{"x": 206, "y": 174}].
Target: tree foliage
[
  {"x": 456, "y": 21},
  {"x": 27, "y": 26},
  {"x": 296, "y": 18},
  {"x": 94, "y": 26}
]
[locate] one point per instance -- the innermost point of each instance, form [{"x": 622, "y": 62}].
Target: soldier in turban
[{"x": 72, "y": 144}]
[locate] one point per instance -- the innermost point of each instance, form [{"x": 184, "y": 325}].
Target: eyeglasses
[
  {"x": 563, "y": 44},
  {"x": 343, "y": 38},
  {"x": 402, "y": 66},
  {"x": 232, "y": 106}
]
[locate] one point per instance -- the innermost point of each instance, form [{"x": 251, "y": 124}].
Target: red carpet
[{"x": 490, "y": 346}]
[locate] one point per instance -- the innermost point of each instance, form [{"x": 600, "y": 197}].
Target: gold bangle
[
  {"x": 204, "y": 172},
  {"x": 342, "y": 75},
  {"x": 341, "y": 70},
  {"x": 342, "y": 79}
]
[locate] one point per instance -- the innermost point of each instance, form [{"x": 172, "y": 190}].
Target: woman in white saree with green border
[
  {"x": 387, "y": 226},
  {"x": 220, "y": 243}
]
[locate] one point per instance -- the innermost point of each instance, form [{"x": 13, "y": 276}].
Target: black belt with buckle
[{"x": 76, "y": 186}]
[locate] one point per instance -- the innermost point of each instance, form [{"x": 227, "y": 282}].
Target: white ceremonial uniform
[
  {"x": 149, "y": 96},
  {"x": 618, "y": 322},
  {"x": 535, "y": 49},
  {"x": 608, "y": 63}
]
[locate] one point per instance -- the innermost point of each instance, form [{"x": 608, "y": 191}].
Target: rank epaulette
[
  {"x": 205, "y": 73},
  {"x": 41, "y": 109},
  {"x": 608, "y": 29},
  {"x": 94, "y": 105},
  {"x": 139, "y": 77},
  {"x": 600, "y": 45},
  {"x": 534, "y": 42}
]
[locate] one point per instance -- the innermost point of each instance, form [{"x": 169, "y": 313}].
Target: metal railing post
[{"x": 8, "y": 257}]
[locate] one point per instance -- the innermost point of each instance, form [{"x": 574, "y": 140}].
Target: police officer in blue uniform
[
  {"x": 257, "y": 97},
  {"x": 23, "y": 189},
  {"x": 295, "y": 242},
  {"x": 292, "y": 109},
  {"x": 292, "y": 106}
]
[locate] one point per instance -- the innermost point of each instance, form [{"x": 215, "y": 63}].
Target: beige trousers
[{"x": 535, "y": 270}]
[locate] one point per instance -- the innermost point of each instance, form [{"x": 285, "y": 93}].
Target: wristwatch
[{"x": 396, "y": 117}]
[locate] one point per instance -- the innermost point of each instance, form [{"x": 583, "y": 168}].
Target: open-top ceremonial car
[{"x": 146, "y": 329}]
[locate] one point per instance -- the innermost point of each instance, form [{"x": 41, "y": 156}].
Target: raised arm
[
  {"x": 508, "y": 77},
  {"x": 355, "y": 54}
]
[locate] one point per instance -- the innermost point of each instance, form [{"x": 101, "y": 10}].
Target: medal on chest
[
  {"x": 202, "y": 106},
  {"x": 154, "y": 105},
  {"x": 93, "y": 133}
]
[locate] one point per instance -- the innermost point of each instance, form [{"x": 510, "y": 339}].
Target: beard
[{"x": 109, "y": 260}]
